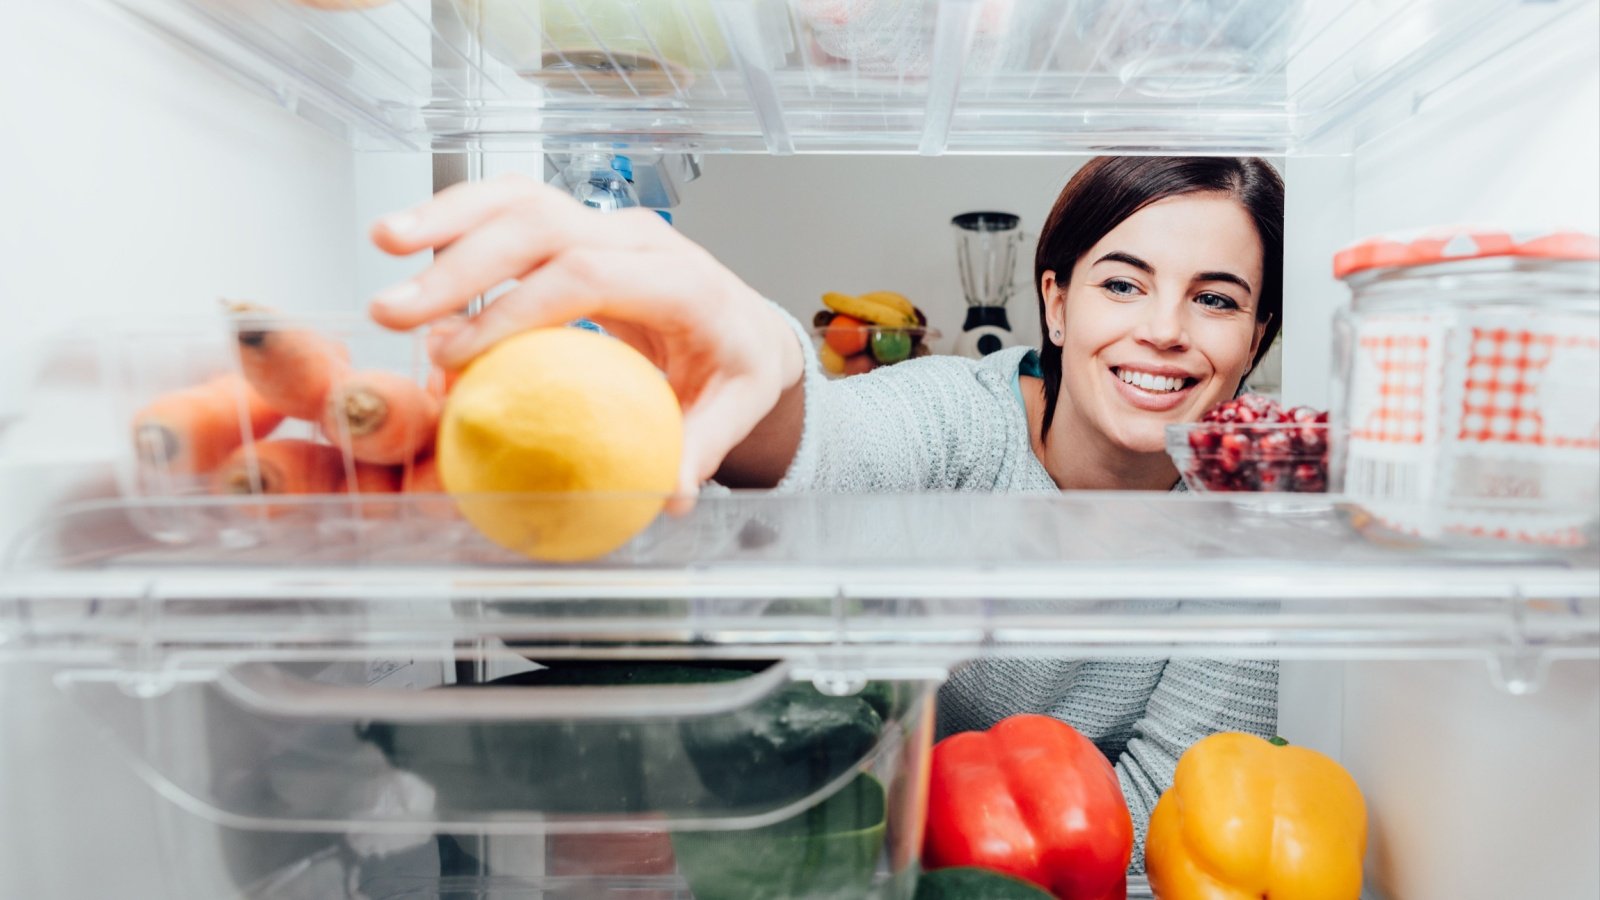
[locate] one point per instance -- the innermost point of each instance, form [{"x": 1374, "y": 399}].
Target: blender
[{"x": 987, "y": 244}]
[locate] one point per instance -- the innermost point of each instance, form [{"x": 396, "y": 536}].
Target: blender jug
[{"x": 987, "y": 244}]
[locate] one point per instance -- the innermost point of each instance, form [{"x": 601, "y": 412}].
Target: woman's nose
[{"x": 1163, "y": 325}]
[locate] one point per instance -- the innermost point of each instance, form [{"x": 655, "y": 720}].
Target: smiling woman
[{"x": 1159, "y": 284}]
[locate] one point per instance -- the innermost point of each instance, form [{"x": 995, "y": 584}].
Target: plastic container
[
  {"x": 1271, "y": 458},
  {"x": 600, "y": 48},
  {"x": 163, "y": 449},
  {"x": 870, "y": 347},
  {"x": 375, "y": 778},
  {"x": 1469, "y": 383},
  {"x": 1175, "y": 48}
]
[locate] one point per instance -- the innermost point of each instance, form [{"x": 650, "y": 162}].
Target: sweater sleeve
[
  {"x": 924, "y": 424},
  {"x": 1194, "y": 698}
]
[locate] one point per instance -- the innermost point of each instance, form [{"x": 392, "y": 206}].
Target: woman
[{"x": 1160, "y": 287}]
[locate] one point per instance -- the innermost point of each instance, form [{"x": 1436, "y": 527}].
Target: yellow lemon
[{"x": 577, "y": 418}]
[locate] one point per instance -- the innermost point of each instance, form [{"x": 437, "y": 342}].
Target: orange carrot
[
  {"x": 369, "y": 480},
  {"x": 292, "y": 368},
  {"x": 286, "y": 466},
  {"x": 372, "y": 479},
  {"x": 381, "y": 417},
  {"x": 423, "y": 477},
  {"x": 191, "y": 431}
]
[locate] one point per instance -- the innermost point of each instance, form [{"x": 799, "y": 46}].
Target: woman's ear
[
  {"x": 1055, "y": 307},
  {"x": 1255, "y": 339}
]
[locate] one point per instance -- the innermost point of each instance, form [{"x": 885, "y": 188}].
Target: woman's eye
[
  {"x": 1216, "y": 301},
  {"x": 1120, "y": 288}
]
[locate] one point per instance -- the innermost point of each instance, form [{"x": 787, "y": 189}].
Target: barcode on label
[{"x": 1386, "y": 478}]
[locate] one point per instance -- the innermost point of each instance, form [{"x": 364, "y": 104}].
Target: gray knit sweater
[{"x": 951, "y": 424}]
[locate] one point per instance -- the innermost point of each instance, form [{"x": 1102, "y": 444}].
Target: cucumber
[
  {"x": 829, "y": 850},
  {"x": 966, "y": 883},
  {"x": 782, "y": 748},
  {"x": 774, "y": 752}
]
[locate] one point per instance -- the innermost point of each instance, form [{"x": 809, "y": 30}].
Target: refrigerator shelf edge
[
  {"x": 891, "y": 581},
  {"x": 1270, "y": 77}
]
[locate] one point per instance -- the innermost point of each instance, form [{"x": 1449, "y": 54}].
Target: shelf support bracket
[
  {"x": 1520, "y": 668},
  {"x": 952, "y": 41},
  {"x": 741, "y": 25}
]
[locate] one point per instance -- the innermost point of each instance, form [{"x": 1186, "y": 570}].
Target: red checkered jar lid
[{"x": 1447, "y": 245}]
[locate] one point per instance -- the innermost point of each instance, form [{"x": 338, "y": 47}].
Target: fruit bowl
[
  {"x": 856, "y": 334},
  {"x": 869, "y": 346},
  {"x": 1250, "y": 444}
]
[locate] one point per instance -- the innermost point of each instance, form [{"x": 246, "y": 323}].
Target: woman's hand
[{"x": 727, "y": 354}]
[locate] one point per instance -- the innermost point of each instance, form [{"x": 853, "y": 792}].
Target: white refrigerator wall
[
  {"x": 1472, "y": 793},
  {"x": 137, "y": 179}
]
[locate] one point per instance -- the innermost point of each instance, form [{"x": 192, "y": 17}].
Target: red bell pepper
[{"x": 1033, "y": 798}]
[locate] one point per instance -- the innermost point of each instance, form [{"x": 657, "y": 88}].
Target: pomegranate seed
[
  {"x": 1204, "y": 440},
  {"x": 1310, "y": 477},
  {"x": 1275, "y": 444}
]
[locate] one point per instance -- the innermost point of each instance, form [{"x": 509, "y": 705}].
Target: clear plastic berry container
[{"x": 1282, "y": 451}]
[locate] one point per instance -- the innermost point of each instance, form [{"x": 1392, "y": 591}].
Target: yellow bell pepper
[{"x": 1248, "y": 819}]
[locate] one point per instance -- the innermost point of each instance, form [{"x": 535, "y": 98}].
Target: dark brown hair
[{"x": 1109, "y": 189}]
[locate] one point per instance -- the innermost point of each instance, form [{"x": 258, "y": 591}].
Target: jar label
[{"x": 1490, "y": 420}]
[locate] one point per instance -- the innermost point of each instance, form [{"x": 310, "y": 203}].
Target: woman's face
[{"x": 1157, "y": 323}]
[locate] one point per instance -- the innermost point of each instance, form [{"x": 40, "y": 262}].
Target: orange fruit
[
  {"x": 846, "y": 335},
  {"x": 560, "y": 443}
]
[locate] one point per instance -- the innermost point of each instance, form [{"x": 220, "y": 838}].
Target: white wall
[
  {"x": 1473, "y": 793},
  {"x": 141, "y": 180},
  {"x": 796, "y": 227}
]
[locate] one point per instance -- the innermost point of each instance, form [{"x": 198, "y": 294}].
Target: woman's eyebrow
[
  {"x": 1223, "y": 276},
  {"x": 1128, "y": 259},
  {"x": 1141, "y": 265}
]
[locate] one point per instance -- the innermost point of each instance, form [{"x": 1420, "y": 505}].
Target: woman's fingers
[
  {"x": 614, "y": 285},
  {"x": 460, "y": 208},
  {"x": 488, "y": 241},
  {"x": 502, "y": 249},
  {"x": 717, "y": 421},
  {"x": 441, "y": 332}
]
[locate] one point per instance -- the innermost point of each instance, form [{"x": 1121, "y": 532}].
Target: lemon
[{"x": 578, "y": 418}]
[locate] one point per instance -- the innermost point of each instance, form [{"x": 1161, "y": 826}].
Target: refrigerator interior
[{"x": 240, "y": 149}]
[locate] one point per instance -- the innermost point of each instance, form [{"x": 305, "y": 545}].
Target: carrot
[
  {"x": 292, "y": 368},
  {"x": 191, "y": 431},
  {"x": 381, "y": 417},
  {"x": 369, "y": 478},
  {"x": 423, "y": 477},
  {"x": 287, "y": 466}
]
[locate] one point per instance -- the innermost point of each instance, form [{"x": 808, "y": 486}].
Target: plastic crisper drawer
[{"x": 727, "y": 780}]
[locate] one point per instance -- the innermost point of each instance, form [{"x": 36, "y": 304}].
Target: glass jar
[{"x": 1467, "y": 397}]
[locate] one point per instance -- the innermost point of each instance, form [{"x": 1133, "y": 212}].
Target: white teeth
[{"x": 1157, "y": 384}]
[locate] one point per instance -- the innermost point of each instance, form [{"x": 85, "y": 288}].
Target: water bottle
[{"x": 602, "y": 181}]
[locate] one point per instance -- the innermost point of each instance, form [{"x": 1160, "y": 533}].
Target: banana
[
  {"x": 873, "y": 311},
  {"x": 892, "y": 300}
]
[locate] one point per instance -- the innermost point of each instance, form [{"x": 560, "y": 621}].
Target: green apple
[{"x": 890, "y": 347}]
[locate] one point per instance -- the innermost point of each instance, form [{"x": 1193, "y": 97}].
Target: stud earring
[{"x": 1055, "y": 335}]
